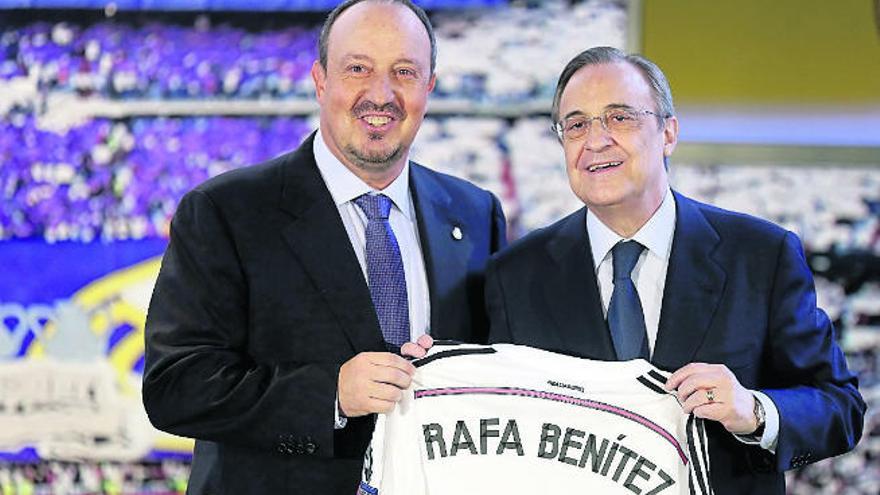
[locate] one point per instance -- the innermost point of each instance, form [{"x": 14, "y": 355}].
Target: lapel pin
[{"x": 456, "y": 233}]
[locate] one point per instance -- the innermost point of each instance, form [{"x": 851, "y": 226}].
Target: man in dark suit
[
  {"x": 724, "y": 300},
  {"x": 286, "y": 284}
]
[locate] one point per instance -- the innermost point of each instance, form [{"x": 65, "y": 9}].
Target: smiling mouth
[
  {"x": 603, "y": 166},
  {"x": 377, "y": 120}
]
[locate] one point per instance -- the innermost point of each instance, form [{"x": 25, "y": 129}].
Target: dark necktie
[
  {"x": 385, "y": 271},
  {"x": 625, "y": 317}
]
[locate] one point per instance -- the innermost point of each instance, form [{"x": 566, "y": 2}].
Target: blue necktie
[
  {"x": 385, "y": 271},
  {"x": 625, "y": 316}
]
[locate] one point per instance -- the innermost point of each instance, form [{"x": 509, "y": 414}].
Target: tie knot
[
  {"x": 374, "y": 206},
  {"x": 624, "y": 258}
]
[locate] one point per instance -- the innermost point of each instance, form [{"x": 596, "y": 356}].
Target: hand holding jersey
[
  {"x": 711, "y": 391},
  {"x": 372, "y": 382}
]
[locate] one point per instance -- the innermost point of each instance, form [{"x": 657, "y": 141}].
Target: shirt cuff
[
  {"x": 767, "y": 441},
  {"x": 339, "y": 419}
]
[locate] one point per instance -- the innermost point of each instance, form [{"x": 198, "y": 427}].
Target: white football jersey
[{"x": 508, "y": 419}]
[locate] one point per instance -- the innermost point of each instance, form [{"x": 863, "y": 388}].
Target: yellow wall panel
[{"x": 766, "y": 51}]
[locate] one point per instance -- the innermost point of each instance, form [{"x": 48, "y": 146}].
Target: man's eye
[
  {"x": 620, "y": 117},
  {"x": 406, "y": 72},
  {"x": 576, "y": 125},
  {"x": 357, "y": 69}
]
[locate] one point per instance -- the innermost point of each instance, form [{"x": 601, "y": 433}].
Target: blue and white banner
[{"x": 72, "y": 351}]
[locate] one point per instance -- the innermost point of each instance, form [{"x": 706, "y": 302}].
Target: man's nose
[
  {"x": 598, "y": 137},
  {"x": 380, "y": 90}
]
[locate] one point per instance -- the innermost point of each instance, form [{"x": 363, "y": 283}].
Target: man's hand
[
  {"x": 418, "y": 348},
  {"x": 372, "y": 382},
  {"x": 711, "y": 391}
]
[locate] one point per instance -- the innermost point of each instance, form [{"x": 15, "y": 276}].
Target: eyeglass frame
[{"x": 558, "y": 127}]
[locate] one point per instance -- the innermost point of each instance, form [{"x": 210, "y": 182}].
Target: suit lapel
[
  {"x": 694, "y": 284},
  {"x": 446, "y": 258},
  {"x": 572, "y": 293},
  {"x": 319, "y": 240}
]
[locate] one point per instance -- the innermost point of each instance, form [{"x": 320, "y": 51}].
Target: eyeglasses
[{"x": 613, "y": 120}]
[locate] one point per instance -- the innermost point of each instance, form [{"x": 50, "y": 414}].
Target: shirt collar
[
  {"x": 345, "y": 186},
  {"x": 655, "y": 235}
]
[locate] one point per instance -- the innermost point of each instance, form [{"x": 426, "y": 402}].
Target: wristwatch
[{"x": 761, "y": 417}]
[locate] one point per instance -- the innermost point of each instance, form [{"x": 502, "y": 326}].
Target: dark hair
[
  {"x": 606, "y": 55},
  {"x": 331, "y": 19}
]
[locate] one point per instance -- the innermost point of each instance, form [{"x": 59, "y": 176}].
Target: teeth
[
  {"x": 604, "y": 165},
  {"x": 377, "y": 121}
]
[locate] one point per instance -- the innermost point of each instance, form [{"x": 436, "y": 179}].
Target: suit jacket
[
  {"x": 738, "y": 292},
  {"x": 261, "y": 299}
]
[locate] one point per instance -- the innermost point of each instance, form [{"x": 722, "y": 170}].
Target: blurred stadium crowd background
[{"x": 107, "y": 117}]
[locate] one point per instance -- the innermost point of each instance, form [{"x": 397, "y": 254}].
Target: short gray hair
[
  {"x": 607, "y": 55},
  {"x": 335, "y": 13}
]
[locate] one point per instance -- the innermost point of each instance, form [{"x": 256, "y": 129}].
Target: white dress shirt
[
  {"x": 649, "y": 277},
  {"x": 345, "y": 187}
]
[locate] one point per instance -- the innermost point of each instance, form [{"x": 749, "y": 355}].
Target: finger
[
  {"x": 392, "y": 361},
  {"x": 702, "y": 397},
  {"x": 391, "y": 376},
  {"x": 412, "y": 349},
  {"x": 680, "y": 375},
  {"x": 696, "y": 382},
  {"x": 684, "y": 373},
  {"x": 385, "y": 392},
  {"x": 425, "y": 341}
]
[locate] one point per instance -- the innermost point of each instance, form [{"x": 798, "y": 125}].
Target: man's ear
[
  {"x": 319, "y": 76},
  {"x": 670, "y": 135}
]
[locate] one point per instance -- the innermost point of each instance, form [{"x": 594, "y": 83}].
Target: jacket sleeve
[
  {"x": 199, "y": 380},
  {"x": 820, "y": 408}
]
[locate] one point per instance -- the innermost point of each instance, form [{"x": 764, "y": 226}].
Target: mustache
[{"x": 367, "y": 106}]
